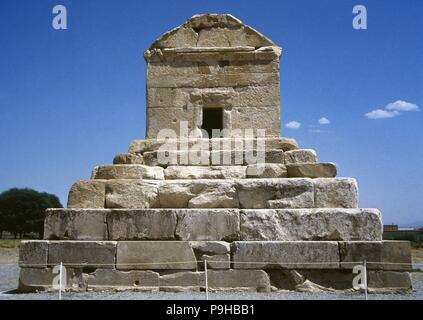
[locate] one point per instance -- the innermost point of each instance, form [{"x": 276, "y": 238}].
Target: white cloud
[
  {"x": 324, "y": 120},
  {"x": 400, "y": 105},
  {"x": 382, "y": 114},
  {"x": 293, "y": 125},
  {"x": 392, "y": 110}
]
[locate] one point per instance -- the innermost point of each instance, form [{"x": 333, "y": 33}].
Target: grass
[{"x": 9, "y": 243}]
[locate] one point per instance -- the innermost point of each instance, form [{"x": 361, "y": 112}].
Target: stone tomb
[{"x": 279, "y": 221}]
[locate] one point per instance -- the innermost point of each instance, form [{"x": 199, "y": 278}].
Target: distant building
[{"x": 393, "y": 232}]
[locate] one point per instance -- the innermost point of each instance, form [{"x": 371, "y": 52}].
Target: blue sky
[{"x": 70, "y": 100}]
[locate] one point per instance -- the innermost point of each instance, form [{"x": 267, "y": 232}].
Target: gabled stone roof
[{"x": 212, "y": 30}]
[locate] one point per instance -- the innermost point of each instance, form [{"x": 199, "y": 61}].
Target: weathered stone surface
[
  {"x": 207, "y": 224},
  {"x": 245, "y": 157},
  {"x": 182, "y": 279},
  {"x": 196, "y": 172},
  {"x": 75, "y": 224},
  {"x": 176, "y": 195},
  {"x": 312, "y": 170},
  {"x": 268, "y": 143},
  {"x": 356, "y": 252},
  {"x": 143, "y": 224},
  {"x": 311, "y": 224},
  {"x": 93, "y": 254},
  {"x": 210, "y": 247},
  {"x": 388, "y": 279},
  {"x": 300, "y": 156},
  {"x": 221, "y": 194},
  {"x": 335, "y": 193},
  {"x": 108, "y": 278},
  {"x": 41, "y": 279},
  {"x": 155, "y": 255},
  {"x": 87, "y": 194},
  {"x": 396, "y": 255},
  {"x": 132, "y": 194},
  {"x": 286, "y": 254},
  {"x": 33, "y": 254},
  {"x": 190, "y": 157},
  {"x": 218, "y": 261},
  {"x": 256, "y": 280},
  {"x": 266, "y": 170},
  {"x": 275, "y": 193},
  {"x": 129, "y": 171},
  {"x": 128, "y": 158}
]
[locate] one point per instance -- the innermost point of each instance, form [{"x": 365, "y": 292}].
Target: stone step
[
  {"x": 178, "y": 265},
  {"x": 214, "y": 224},
  {"x": 187, "y": 255},
  {"x": 278, "y": 193},
  {"x": 266, "y": 170},
  {"x": 285, "y": 144}
]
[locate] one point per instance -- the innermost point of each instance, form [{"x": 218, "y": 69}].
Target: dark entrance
[{"x": 212, "y": 119}]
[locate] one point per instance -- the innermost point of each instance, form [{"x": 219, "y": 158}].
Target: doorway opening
[{"x": 212, "y": 119}]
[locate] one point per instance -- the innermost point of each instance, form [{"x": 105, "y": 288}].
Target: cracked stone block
[
  {"x": 335, "y": 193},
  {"x": 128, "y": 171},
  {"x": 92, "y": 254},
  {"x": 300, "y": 156},
  {"x": 285, "y": 254},
  {"x": 87, "y": 194},
  {"x": 110, "y": 278},
  {"x": 323, "y": 224},
  {"x": 312, "y": 170},
  {"x": 207, "y": 224},
  {"x": 75, "y": 224},
  {"x": 155, "y": 255},
  {"x": 141, "y": 224},
  {"x": 33, "y": 254}
]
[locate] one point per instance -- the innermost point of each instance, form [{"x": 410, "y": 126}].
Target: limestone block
[
  {"x": 207, "y": 224},
  {"x": 212, "y": 20},
  {"x": 247, "y": 157},
  {"x": 41, "y": 279},
  {"x": 182, "y": 279},
  {"x": 261, "y": 96},
  {"x": 286, "y": 254},
  {"x": 93, "y": 254},
  {"x": 335, "y": 193},
  {"x": 110, "y": 278},
  {"x": 214, "y": 80},
  {"x": 143, "y": 224},
  {"x": 256, "y": 280},
  {"x": 264, "y": 118},
  {"x": 210, "y": 247},
  {"x": 396, "y": 255},
  {"x": 87, "y": 194},
  {"x": 312, "y": 170},
  {"x": 129, "y": 171},
  {"x": 389, "y": 279},
  {"x": 215, "y": 194},
  {"x": 356, "y": 252},
  {"x": 218, "y": 261},
  {"x": 128, "y": 158},
  {"x": 266, "y": 170},
  {"x": 197, "y": 172},
  {"x": 132, "y": 194},
  {"x": 300, "y": 156},
  {"x": 178, "y": 37},
  {"x": 275, "y": 193},
  {"x": 311, "y": 224},
  {"x": 33, "y": 253},
  {"x": 75, "y": 224},
  {"x": 189, "y": 157},
  {"x": 156, "y": 255},
  {"x": 176, "y": 195}
]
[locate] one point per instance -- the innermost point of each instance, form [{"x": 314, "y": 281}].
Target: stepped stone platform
[{"x": 258, "y": 211}]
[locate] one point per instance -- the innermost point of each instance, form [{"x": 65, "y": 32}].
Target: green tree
[{"x": 22, "y": 210}]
